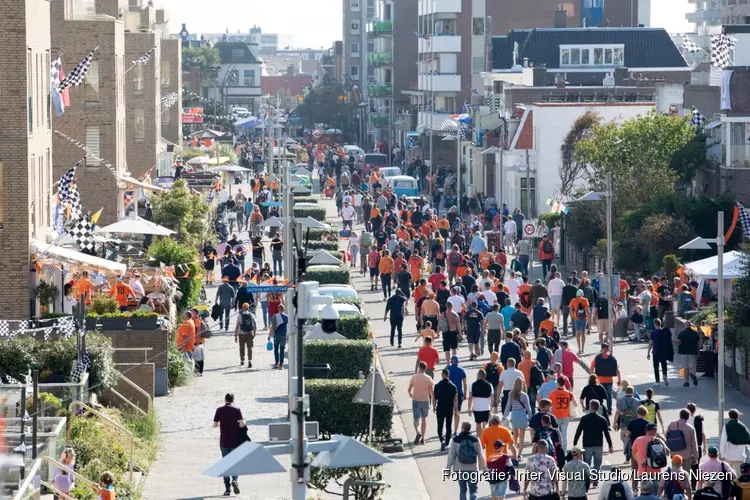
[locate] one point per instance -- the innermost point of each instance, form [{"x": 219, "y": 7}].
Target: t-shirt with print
[
  {"x": 576, "y": 304},
  {"x": 542, "y": 466},
  {"x": 577, "y": 469}
]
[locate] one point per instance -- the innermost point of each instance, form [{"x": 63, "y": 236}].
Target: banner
[{"x": 192, "y": 115}]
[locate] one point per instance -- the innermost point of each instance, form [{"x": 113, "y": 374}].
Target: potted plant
[
  {"x": 114, "y": 321},
  {"x": 46, "y": 293},
  {"x": 143, "y": 320},
  {"x": 100, "y": 305},
  {"x": 91, "y": 320}
]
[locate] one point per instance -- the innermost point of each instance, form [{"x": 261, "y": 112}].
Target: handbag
[
  {"x": 244, "y": 436},
  {"x": 573, "y": 409},
  {"x": 269, "y": 346},
  {"x": 443, "y": 324}
]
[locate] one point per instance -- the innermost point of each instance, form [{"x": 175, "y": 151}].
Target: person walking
[
  {"x": 606, "y": 368},
  {"x": 576, "y": 476},
  {"x": 480, "y": 401},
  {"x": 495, "y": 328},
  {"x": 546, "y": 252},
  {"x": 396, "y": 305},
  {"x": 660, "y": 349},
  {"x": 543, "y": 467},
  {"x": 428, "y": 355},
  {"x": 579, "y": 310},
  {"x": 445, "y": 407},
  {"x": 562, "y": 399},
  {"x": 712, "y": 468},
  {"x": 595, "y": 429},
  {"x": 278, "y": 332},
  {"x": 225, "y": 295},
  {"x": 593, "y": 391},
  {"x": 385, "y": 269},
  {"x": 518, "y": 408},
  {"x": 452, "y": 335},
  {"x": 742, "y": 483},
  {"x": 734, "y": 440},
  {"x": 185, "y": 340},
  {"x": 277, "y": 255},
  {"x": 682, "y": 441},
  {"x": 421, "y": 392},
  {"x": 466, "y": 455},
  {"x": 688, "y": 347},
  {"x": 475, "y": 329},
  {"x": 244, "y": 334},
  {"x": 229, "y": 420}
]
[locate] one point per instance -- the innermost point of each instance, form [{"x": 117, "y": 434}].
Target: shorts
[
  {"x": 420, "y": 409},
  {"x": 555, "y": 302},
  {"x": 431, "y": 319},
  {"x": 481, "y": 416},
  {"x": 602, "y": 325},
  {"x": 460, "y": 401},
  {"x": 450, "y": 341},
  {"x": 498, "y": 489},
  {"x": 473, "y": 337},
  {"x": 374, "y": 272},
  {"x": 430, "y": 372},
  {"x": 689, "y": 363},
  {"x": 579, "y": 325}
]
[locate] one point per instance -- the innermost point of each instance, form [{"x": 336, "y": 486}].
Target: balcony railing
[
  {"x": 380, "y": 58},
  {"x": 380, "y": 120},
  {"x": 380, "y": 28},
  {"x": 380, "y": 89},
  {"x": 739, "y": 156}
]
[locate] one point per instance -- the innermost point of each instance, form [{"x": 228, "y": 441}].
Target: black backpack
[
  {"x": 547, "y": 246},
  {"x": 617, "y": 492},
  {"x": 581, "y": 311},
  {"x": 455, "y": 259},
  {"x": 492, "y": 374},
  {"x": 247, "y": 322}
]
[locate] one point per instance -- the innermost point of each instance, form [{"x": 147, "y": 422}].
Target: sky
[{"x": 317, "y": 23}]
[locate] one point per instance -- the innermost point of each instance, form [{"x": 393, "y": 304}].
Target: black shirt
[
  {"x": 664, "y": 291},
  {"x": 395, "y": 305},
  {"x": 520, "y": 321},
  {"x": 445, "y": 391},
  {"x": 689, "y": 342},
  {"x": 535, "y": 422},
  {"x": 602, "y": 309},
  {"x": 209, "y": 252},
  {"x": 277, "y": 245},
  {"x": 510, "y": 350},
  {"x": 403, "y": 278},
  {"x": 595, "y": 392},
  {"x": 496, "y": 267},
  {"x": 595, "y": 429},
  {"x": 441, "y": 297},
  {"x": 228, "y": 417},
  {"x": 481, "y": 389},
  {"x": 468, "y": 283},
  {"x": 473, "y": 318},
  {"x": 637, "y": 428}
]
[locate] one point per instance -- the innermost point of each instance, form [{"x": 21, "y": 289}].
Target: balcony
[
  {"x": 426, "y": 119},
  {"x": 380, "y": 59},
  {"x": 738, "y": 156},
  {"x": 440, "y": 44},
  {"x": 700, "y": 16},
  {"x": 377, "y": 89},
  {"x": 379, "y": 28},
  {"x": 440, "y": 83},
  {"x": 427, "y": 7},
  {"x": 380, "y": 120}
]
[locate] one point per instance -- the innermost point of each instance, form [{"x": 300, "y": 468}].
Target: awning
[
  {"x": 76, "y": 257},
  {"x": 170, "y": 143},
  {"x": 135, "y": 182}
]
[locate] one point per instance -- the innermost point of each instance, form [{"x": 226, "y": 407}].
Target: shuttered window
[
  {"x": 477, "y": 65},
  {"x": 92, "y": 147}
]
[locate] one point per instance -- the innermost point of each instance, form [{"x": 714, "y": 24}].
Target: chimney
[
  {"x": 540, "y": 76},
  {"x": 620, "y": 75},
  {"x": 525, "y": 62},
  {"x": 560, "y": 19}
]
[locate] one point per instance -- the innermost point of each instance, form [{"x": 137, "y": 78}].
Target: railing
[
  {"x": 78, "y": 390},
  {"x": 380, "y": 27},
  {"x": 132, "y": 384},
  {"x": 84, "y": 406},
  {"x": 380, "y": 120},
  {"x": 28, "y": 489},
  {"x": 379, "y": 58},
  {"x": 380, "y": 89},
  {"x": 739, "y": 156},
  {"x": 50, "y": 437}
]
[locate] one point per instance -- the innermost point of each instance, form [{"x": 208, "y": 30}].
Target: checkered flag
[
  {"x": 66, "y": 326},
  {"x": 170, "y": 99},
  {"x": 50, "y": 272},
  {"x": 145, "y": 57},
  {"x": 744, "y": 221},
  {"x": 721, "y": 48},
  {"x": 688, "y": 45},
  {"x": 81, "y": 368},
  {"x": 82, "y": 233},
  {"x": 467, "y": 108},
  {"x": 462, "y": 131},
  {"x": 67, "y": 181},
  {"x": 4, "y": 328},
  {"x": 697, "y": 119},
  {"x": 77, "y": 75},
  {"x": 77, "y": 276}
]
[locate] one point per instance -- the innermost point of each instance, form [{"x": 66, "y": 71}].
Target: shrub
[
  {"x": 328, "y": 275},
  {"x": 49, "y": 405},
  {"x": 16, "y": 356},
  {"x": 178, "y": 371},
  {"x": 188, "y": 273},
  {"x": 95, "y": 446},
  {"x": 317, "y": 213},
  {"x": 332, "y": 407},
  {"x": 103, "y": 304},
  {"x": 301, "y": 198},
  {"x": 354, "y": 327},
  {"x": 331, "y": 246},
  {"x": 316, "y": 234},
  {"x": 550, "y": 219},
  {"x": 345, "y": 357}
]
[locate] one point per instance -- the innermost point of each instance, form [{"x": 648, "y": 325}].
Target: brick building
[
  {"x": 171, "y": 81},
  {"x": 96, "y": 115},
  {"x": 25, "y": 147}
]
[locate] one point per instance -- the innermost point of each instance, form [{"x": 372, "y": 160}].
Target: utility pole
[
  {"x": 431, "y": 93},
  {"x": 528, "y": 185}
]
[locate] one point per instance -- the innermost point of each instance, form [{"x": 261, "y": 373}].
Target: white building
[{"x": 240, "y": 72}]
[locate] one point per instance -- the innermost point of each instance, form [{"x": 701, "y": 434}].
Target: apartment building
[
  {"x": 357, "y": 14},
  {"x": 171, "y": 81},
  {"x": 707, "y": 14},
  {"x": 736, "y": 12},
  {"x": 96, "y": 116},
  {"x": 25, "y": 147}
]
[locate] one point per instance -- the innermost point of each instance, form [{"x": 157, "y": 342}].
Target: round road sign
[
  {"x": 529, "y": 229},
  {"x": 317, "y": 133}
]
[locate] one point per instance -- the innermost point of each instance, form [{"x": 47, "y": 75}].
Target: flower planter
[
  {"x": 91, "y": 323},
  {"x": 114, "y": 323},
  {"x": 55, "y": 378},
  {"x": 143, "y": 323}
]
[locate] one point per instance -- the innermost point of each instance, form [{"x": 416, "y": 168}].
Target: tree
[
  {"x": 182, "y": 211},
  {"x": 327, "y": 103},
  {"x": 687, "y": 160},
  {"x": 205, "y": 57},
  {"x": 571, "y": 169},
  {"x": 664, "y": 234}
]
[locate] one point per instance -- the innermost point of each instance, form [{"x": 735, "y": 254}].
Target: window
[
  {"x": 575, "y": 56},
  {"x": 164, "y": 73},
  {"x": 477, "y": 65},
  {"x": 528, "y": 192},
  {"x": 598, "y": 57},
  {"x": 354, "y": 72},
  {"x": 354, "y": 28},
  {"x": 618, "y": 56},
  {"x": 592, "y": 55},
  {"x": 355, "y": 49},
  {"x": 238, "y": 54},
  {"x": 166, "y": 117},
  {"x": 477, "y": 26},
  {"x": 138, "y": 78},
  {"x": 139, "y": 125},
  {"x": 370, "y": 47},
  {"x": 268, "y": 39},
  {"x": 354, "y": 5},
  {"x": 249, "y": 78},
  {"x": 92, "y": 147},
  {"x": 30, "y": 89}
]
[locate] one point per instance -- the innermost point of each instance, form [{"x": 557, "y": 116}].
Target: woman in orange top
[
  {"x": 415, "y": 267},
  {"x": 185, "y": 340},
  {"x": 386, "y": 268}
]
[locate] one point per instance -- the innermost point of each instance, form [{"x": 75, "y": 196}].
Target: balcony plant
[
  {"x": 46, "y": 293},
  {"x": 114, "y": 320}
]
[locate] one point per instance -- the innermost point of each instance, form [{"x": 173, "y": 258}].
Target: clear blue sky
[{"x": 317, "y": 23}]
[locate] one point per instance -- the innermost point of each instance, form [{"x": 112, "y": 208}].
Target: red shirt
[
  {"x": 435, "y": 280},
  {"x": 568, "y": 358},
  {"x": 429, "y": 355},
  {"x": 397, "y": 265}
]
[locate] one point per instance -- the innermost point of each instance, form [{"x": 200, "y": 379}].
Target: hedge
[
  {"x": 355, "y": 301},
  {"x": 328, "y": 275},
  {"x": 354, "y": 327},
  {"x": 332, "y": 407},
  {"x": 346, "y": 357},
  {"x": 331, "y": 246},
  {"x": 317, "y": 233},
  {"x": 304, "y": 198},
  {"x": 317, "y": 213}
]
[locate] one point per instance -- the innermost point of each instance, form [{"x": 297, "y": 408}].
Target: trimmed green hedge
[
  {"x": 345, "y": 357},
  {"x": 331, "y": 246},
  {"x": 354, "y": 327},
  {"x": 317, "y": 213},
  {"x": 328, "y": 275},
  {"x": 304, "y": 198},
  {"x": 357, "y": 302},
  {"x": 317, "y": 233},
  {"x": 332, "y": 407}
]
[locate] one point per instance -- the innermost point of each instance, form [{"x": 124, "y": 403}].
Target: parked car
[
  {"x": 387, "y": 173},
  {"x": 374, "y": 160},
  {"x": 338, "y": 291}
]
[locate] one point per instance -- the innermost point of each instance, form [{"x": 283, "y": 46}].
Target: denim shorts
[
  {"x": 420, "y": 409},
  {"x": 579, "y": 325},
  {"x": 498, "y": 489}
]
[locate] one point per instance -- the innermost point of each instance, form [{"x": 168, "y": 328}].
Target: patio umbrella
[
  {"x": 228, "y": 168},
  {"x": 272, "y": 222},
  {"x": 198, "y": 160},
  {"x": 136, "y": 226}
]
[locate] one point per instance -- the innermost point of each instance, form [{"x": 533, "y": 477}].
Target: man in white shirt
[
  {"x": 507, "y": 379},
  {"x": 358, "y": 205},
  {"x": 456, "y": 299},
  {"x": 347, "y": 215},
  {"x": 555, "y": 288},
  {"x": 510, "y": 230},
  {"x": 484, "y": 279},
  {"x": 489, "y": 295},
  {"x": 513, "y": 284}
]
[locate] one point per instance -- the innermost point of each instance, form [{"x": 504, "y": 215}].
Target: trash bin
[{"x": 317, "y": 370}]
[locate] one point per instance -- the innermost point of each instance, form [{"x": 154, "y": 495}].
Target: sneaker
[
  {"x": 442, "y": 446},
  {"x": 416, "y": 439},
  {"x": 235, "y": 487},
  {"x": 249, "y": 364},
  {"x": 399, "y": 346},
  {"x": 421, "y": 441},
  {"x": 695, "y": 380},
  {"x": 227, "y": 493},
  {"x": 242, "y": 362},
  {"x": 686, "y": 384},
  {"x": 658, "y": 384},
  {"x": 666, "y": 382}
]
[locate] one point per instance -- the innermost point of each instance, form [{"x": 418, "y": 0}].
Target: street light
[
  {"x": 598, "y": 196},
  {"x": 703, "y": 244},
  {"x": 184, "y": 33}
]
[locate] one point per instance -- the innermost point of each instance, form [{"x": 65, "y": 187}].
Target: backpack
[
  {"x": 656, "y": 456},
  {"x": 616, "y": 492},
  {"x": 650, "y": 410},
  {"x": 745, "y": 487},
  {"x": 543, "y": 357},
  {"x": 547, "y": 246},
  {"x": 247, "y": 322},
  {"x": 366, "y": 240},
  {"x": 467, "y": 451},
  {"x": 537, "y": 379},
  {"x": 525, "y": 299},
  {"x": 455, "y": 259},
  {"x": 628, "y": 415},
  {"x": 581, "y": 310},
  {"x": 546, "y": 436},
  {"x": 676, "y": 439},
  {"x": 672, "y": 487},
  {"x": 492, "y": 374}
]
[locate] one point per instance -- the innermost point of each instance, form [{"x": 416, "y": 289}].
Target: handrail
[
  {"x": 64, "y": 467},
  {"x": 23, "y": 493},
  {"x": 138, "y": 389},
  {"x": 113, "y": 424},
  {"x": 144, "y": 349},
  {"x": 132, "y": 405},
  {"x": 57, "y": 492}
]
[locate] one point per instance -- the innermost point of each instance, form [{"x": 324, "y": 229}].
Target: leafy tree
[
  {"x": 182, "y": 211},
  {"x": 205, "y": 57},
  {"x": 664, "y": 234},
  {"x": 690, "y": 158},
  {"x": 326, "y": 103},
  {"x": 570, "y": 168},
  {"x": 184, "y": 258}
]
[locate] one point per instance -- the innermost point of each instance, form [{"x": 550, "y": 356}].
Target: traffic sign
[
  {"x": 381, "y": 396},
  {"x": 529, "y": 228},
  {"x": 317, "y": 133}
]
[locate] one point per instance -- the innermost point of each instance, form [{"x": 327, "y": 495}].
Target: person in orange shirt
[
  {"x": 485, "y": 259},
  {"x": 579, "y": 310},
  {"x": 121, "y": 292},
  {"x": 443, "y": 226},
  {"x": 386, "y": 270},
  {"x": 496, "y": 432},
  {"x": 561, "y": 400},
  {"x": 416, "y": 263},
  {"x": 402, "y": 234},
  {"x": 526, "y": 364},
  {"x": 85, "y": 286},
  {"x": 185, "y": 340},
  {"x": 462, "y": 270},
  {"x": 199, "y": 350},
  {"x": 524, "y": 296},
  {"x": 606, "y": 368},
  {"x": 374, "y": 212},
  {"x": 547, "y": 324}
]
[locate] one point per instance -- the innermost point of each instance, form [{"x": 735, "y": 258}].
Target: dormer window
[{"x": 611, "y": 55}]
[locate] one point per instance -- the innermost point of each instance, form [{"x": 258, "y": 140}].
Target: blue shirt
[
  {"x": 477, "y": 245},
  {"x": 395, "y": 305},
  {"x": 281, "y": 329},
  {"x": 457, "y": 375},
  {"x": 546, "y": 388},
  {"x": 249, "y": 207},
  {"x": 507, "y": 312}
]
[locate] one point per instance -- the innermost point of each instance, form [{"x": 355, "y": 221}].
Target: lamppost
[
  {"x": 184, "y": 34},
  {"x": 704, "y": 244},
  {"x": 598, "y": 196}
]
